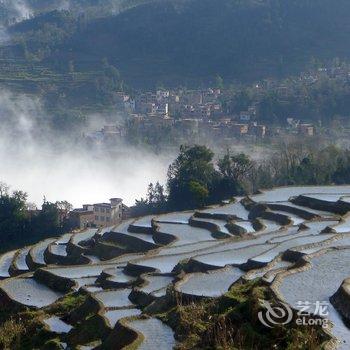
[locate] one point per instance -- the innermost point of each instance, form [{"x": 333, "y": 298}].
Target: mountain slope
[
  {"x": 194, "y": 40},
  {"x": 17, "y": 10},
  {"x": 201, "y": 38}
]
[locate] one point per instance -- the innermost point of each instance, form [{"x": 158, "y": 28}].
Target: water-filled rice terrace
[{"x": 295, "y": 240}]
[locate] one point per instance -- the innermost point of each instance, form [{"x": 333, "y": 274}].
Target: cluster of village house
[
  {"x": 194, "y": 112},
  {"x": 196, "y": 108},
  {"x": 98, "y": 215}
]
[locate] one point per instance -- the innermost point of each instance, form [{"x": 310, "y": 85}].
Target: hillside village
[
  {"x": 188, "y": 114},
  {"x": 208, "y": 112}
]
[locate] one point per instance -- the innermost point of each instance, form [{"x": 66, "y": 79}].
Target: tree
[
  {"x": 160, "y": 195},
  {"x": 64, "y": 208},
  {"x": 13, "y": 219},
  {"x": 4, "y": 189},
  {"x": 199, "y": 193},
  {"x": 236, "y": 175},
  {"x": 156, "y": 201},
  {"x": 219, "y": 82},
  {"x": 237, "y": 167},
  {"x": 194, "y": 164}
]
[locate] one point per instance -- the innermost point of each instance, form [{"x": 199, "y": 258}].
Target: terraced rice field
[
  {"x": 37, "y": 252},
  {"x": 325, "y": 197},
  {"x": 288, "y": 205},
  {"x": 64, "y": 239},
  {"x": 234, "y": 209},
  {"x": 295, "y": 242},
  {"x": 29, "y": 292},
  {"x": 344, "y": 226},
  {"x": 114, "y": 298},
  {"x": 78, "y": 271},
  {"x": 318, "y": 282},
  {"x": 78, "y": 238},
  {"x": 185, "y": 234},
  {"x": 59, "y": 249},
  {"x": 143, "y": 236},
  {"x": 221, "y": 224},
  {"x": 299, "y": 261},
  {"x": 5, "y": 262},
  {"x": 164, "y": 264},
  {"x": 118, "y": 275},
  {"x": 113, "y": 316},
  {"x": 212, "y": 284},
  {"x": 82, "y": 282},
  {"x": 156, "y": 283},
  {"x": 56, "y": 325},
  {"x": 297, "y": 220},
  {"x": 281, "y": 194},
  {"x": 176, "y": 218},
  {"x": 270, "y": 226},
  {"x": 246, "y": 225},
  {"x": 144, "y": 222},
  {"x": 342, "y": 241},
  {"x": 20, "y": 261},
  {"x": 156, "y": 335},
  {"x": 235, "y": 256}
]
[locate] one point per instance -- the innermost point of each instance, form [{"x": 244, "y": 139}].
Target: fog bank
[{"x": 38, "y": 161}]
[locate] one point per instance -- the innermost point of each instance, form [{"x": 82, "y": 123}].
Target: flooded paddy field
[
  {"x": 29, "y": 292},
  {"x": 212, "y": 284},
  {"x": 318, "y": 282},
  {"x": 155, "y": 334},
  {"x": 162, "y": 260}
]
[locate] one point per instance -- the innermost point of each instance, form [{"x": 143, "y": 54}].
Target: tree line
[
  {"x": 197, "y": 178},
  {"x": 22, "y": 224}
]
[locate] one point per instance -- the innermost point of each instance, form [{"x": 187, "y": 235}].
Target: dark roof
[
  {"x": 81, "y": 212},
  {"x": 116, "y": 199},
  {"x": 103, "y": 204}
]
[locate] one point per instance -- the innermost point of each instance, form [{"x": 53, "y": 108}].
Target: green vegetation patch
[
  {"x": 24, "y": 330},
  {"x": 231, "y": 322},
  {"x": 67, "y": 304}
]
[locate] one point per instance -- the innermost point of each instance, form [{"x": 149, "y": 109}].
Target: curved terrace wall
[
  {"x": 122, "y": 337},
  {"x": 90, "y": 306},
  {"x": 210, "y": 226},
  {"x": 54, "y": 259},
  {"x": 204, "y": 215},
  {"x": 59, "y": 283},
  {"x": 338, "y": 207},
  {"x": 91, "y": 329},
  {"x": 137, "y": 270},
  {"x": 14, "y": 269},
  {"x": 7, "y": 304},
  {"x": 140, "y": 229},
  {"x": 341, "y": 299},
  {"x": 106, "y": 283},
  {"x": 134, "y": 244},
  {"x": 162, "y": 237},
  {"x": 108, "y": 251},
  {"x": 299, "y": 212}
]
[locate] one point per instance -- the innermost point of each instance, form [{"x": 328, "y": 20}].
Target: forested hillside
[
  {"x": 189, "y": 42},
  {"x": 195, "y": 40},
  {"x": 12, "y": 11}
]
